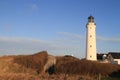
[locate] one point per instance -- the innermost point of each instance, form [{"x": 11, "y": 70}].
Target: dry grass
[
  {"x": 21, "y": 76},
  {"x": 35, "y": 61},
  {"x": 18, "y": 76},
  {"x": 27, "y": 67},
  {"x": 71, "y": 65},
  {"x": 7, "y": 65}
]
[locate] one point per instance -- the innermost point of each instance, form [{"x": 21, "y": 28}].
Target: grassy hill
[{"x": 29, "y": 67}]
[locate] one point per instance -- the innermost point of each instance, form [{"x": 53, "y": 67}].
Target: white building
[
  {"x": 111, "y": 57},
  {"x": 91, "y": 39},
  {"x": 114, "y": 57}
]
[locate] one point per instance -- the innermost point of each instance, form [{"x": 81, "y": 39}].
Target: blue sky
[{"x": 58, "y": 26}]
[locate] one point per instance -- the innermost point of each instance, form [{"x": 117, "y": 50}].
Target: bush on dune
[
  {"x": 35, "y": 61},
  {"x": 66, "y": 66},
  {"x": 83, "y": 67}
]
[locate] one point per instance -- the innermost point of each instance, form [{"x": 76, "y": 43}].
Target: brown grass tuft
[
  {"x": 70, "y": 65},
  {"x": 35, "y": 61}
]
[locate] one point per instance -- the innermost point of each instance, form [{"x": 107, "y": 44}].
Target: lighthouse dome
[{"x": 90, "y": 19}]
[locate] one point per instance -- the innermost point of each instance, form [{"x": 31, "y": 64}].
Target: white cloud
[
  {"x": 16, "y": 45},
  {"x": 66, "y": 43},
  {"x": 82, "y": 37},
  {"x": 72, "y": 35},
  {"x": 22, "y": 39},
  {"x": 112, "y": 39},
  {"x": 22, "y": 45}
]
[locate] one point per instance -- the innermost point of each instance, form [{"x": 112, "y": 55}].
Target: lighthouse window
[
  {"x": 90, "y": 56},
  {"x": 90, "y": 35},
  {"x": 90, "y": 27},
  {"x": 90, "y": 45}
]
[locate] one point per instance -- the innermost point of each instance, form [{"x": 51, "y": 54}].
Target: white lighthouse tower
[{"x": 91, "y": 39}]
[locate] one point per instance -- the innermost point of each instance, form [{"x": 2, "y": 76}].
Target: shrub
[
  {"x": 35, "y": 61},
  {"x": 70, "y": 65}
]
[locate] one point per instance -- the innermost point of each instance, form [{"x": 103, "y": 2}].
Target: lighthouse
[{"x": 91, "y": 39}]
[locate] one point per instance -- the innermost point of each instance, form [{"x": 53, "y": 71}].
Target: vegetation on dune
[
  {"x": 7, "y": 66},
  {"x": 35, "y": 61},
  {"x": 21, "y": 76},
  {"x": 74, "y": 66},
  {"x": 29, "y": 67}
]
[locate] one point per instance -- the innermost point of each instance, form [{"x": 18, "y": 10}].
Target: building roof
[
  {"x": 100, "y": 56},
  {"x": 115, "y": 55}
]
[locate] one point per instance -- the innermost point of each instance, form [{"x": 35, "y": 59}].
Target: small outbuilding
[
  {"x": 114, "y": 57},
  {"x": 111, "y": 57}
]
